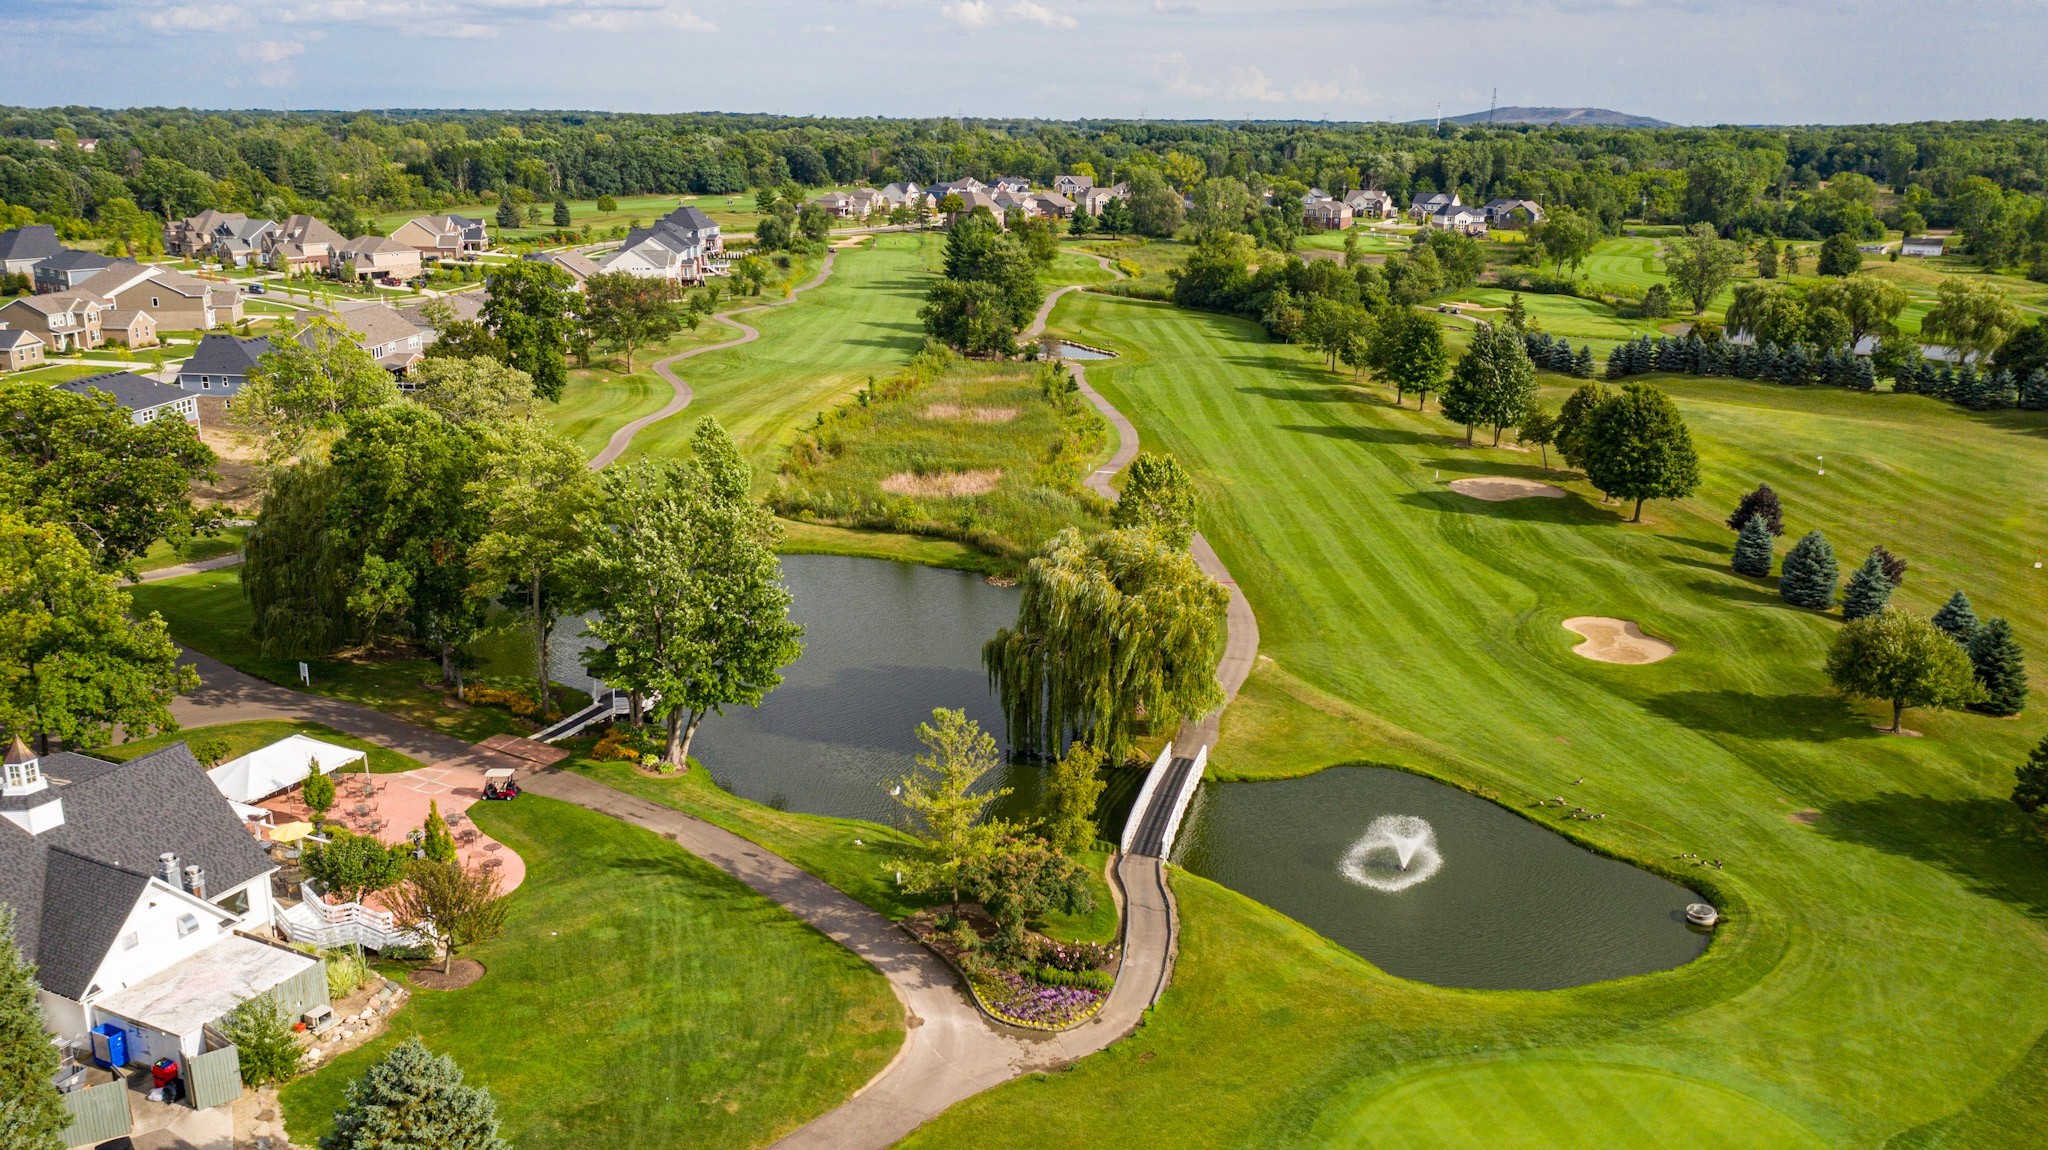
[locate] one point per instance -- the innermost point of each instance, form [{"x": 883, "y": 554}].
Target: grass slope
[
  {"x": 1845, "y": 1000},
  {"x": 241, "y": 738},
  {"x": 638, "y": 996}
]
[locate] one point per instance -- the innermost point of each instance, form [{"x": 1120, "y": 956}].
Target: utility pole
[
  {"x": 1439, "y": 113},
  {"x": 1491, "y": 105}
]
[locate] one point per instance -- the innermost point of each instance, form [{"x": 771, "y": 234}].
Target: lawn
[
  {"x": 857, "y": 857},
  {"x": 944, "y": 418},
  {"x": 859, "y": 326},
  {"x": 1881, "y": 892},
  {"x": 734, "y": 214},
  {"x": 208, "y": 613},
  {"x": 1570, "y": 317},
  {"x": 241, "y": 738},
  {"x": 162, "y": 554},
  {"x": 57, "y": 371},
  {"x": 637, "y": 997}
]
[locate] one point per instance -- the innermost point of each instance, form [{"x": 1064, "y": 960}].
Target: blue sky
[{"x": 1689, "y": 61}]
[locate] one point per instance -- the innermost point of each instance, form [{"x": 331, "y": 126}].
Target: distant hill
[{"x": 1590, "y": 117}]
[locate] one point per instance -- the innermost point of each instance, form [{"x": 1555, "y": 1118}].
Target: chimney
[
  {"x": 195, "y": 880},
  {"x": 167, "y": 868}
]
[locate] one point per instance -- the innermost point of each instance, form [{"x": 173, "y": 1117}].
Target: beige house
[
  {"x": 302, "y": 243},
  {"x": 1327, "y": 214},
  {"x": 394, "y": 341},
  {"x": 64, "y": 320},
  {"x": 193, "y": 235},
  {"x": 128, "y": 327},
  {"x": 443, "y": 237},
  {"x": 19, "y": 349},
  {"x": 1372, "y": 204},
  {"x": 579, "y": 266},
  {"x": 175, "y": 301},
  {"x": 377, "y": 256}
]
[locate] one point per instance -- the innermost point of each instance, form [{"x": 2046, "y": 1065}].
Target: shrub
[
  {"x": 318, "y": 791},
  {"x": 406, "y": 953},
  {"x": 265, "y": 1045},
  {"x": 346, "y": 970},
  {"x": 211, "y": 752},
  {"x": 1101, "y": 980}
]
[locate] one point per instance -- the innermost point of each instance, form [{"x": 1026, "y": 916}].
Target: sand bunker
[
  {"x": 1616, "y": 641},
  {"x": 977, "y": 414},
  {"x": 1499, "y": 488},
  {"x": 943, "y": 484}
]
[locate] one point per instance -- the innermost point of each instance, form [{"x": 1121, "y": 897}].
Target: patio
[{"x": 393, "y": 806}]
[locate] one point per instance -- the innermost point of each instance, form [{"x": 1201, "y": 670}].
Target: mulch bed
[{"x": 463, "y": 972}]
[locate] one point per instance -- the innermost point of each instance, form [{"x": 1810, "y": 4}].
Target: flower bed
[
  {"x": 1022, "y": 1001},
  {"x": 1064, "y": 987}
]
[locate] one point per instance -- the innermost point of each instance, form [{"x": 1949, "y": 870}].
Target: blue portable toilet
[{"x": 110, "y": 1045}]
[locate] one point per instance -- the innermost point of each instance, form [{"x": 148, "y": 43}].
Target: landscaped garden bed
[{"x": 1043, "y": 984}]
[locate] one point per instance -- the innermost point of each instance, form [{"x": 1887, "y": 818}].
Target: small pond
[
  {"x": 1061, "y": 349},
  {"x": 1486, "y": 898}
]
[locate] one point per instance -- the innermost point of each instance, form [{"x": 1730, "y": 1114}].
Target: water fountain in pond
[{"x": 1395, "y": 853}]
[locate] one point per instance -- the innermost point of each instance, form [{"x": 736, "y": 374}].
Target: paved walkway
[
  {"x": 231, "y": 559},
  {"x": 623, "y": 437}
]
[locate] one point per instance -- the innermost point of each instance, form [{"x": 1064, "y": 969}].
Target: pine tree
[
  {"x": 2034, "y": 392},
  {"x": 508, "y": 213},
  {"x": 1582, "y": 364},
  {"x": 31, "y": 1114},
  {"x": 435, "y": 838},
  {"x": 1808, "y": 576},
  {"x": 411, "y": 1099},
  {"x": 2030, "y": 788},
  {"x": 561, "y": 214},
  {"x": 1894, "y": 567},
  {"x": 1868, "y": 590},
  {"x": 1866, "y": 376},
  {"x": 1957, "y": 619},
  {"x": 2001, "y": 669},
  {"x": 1753, "y": 548},
  {"x": 1763, "y": 501}
]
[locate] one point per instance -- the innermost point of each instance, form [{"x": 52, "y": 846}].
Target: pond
[
  {"x": 1061, "y": 349},
  {"x": 1486, "y": 898}
]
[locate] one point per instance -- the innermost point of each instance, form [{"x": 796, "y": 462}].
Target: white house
[
  {"x": 1371, "y": 204},
  {"x": 141, "y": 899},
  {"x": 682, "y": 245},
  {"x": 1921, "y": 246}
]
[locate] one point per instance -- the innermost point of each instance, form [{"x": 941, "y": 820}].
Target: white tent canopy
[{"x": 278, "y": 767}]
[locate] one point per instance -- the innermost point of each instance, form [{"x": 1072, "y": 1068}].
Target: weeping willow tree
[
  {"x": 296, "y": 584},
  {"x": 1115, "y": 630}
]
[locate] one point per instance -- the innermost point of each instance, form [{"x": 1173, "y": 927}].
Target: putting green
[{"x": 1541, "y": 1103}]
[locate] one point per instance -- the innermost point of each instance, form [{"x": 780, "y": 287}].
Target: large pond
[{"x": 1486, "y": 898}]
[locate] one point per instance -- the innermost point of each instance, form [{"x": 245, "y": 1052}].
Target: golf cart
[{"x": 499, "y": 784}]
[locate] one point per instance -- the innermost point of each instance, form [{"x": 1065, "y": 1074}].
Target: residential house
[
  {"x": 193, "y": 235},
  {"x": 302, "y": 243},
  {"x": 143, "y": 398},
  {"x": 971, "y": 199},
  {"x": 1049, "y": 204},
  {"x": 394, "y": 341},
  {"x": 1426, "y": 204},
  {"x": 1327, "y": 214},
  {"x": 1008, "y": 201},
  {"x": 962, "y": 186},
  {"x": 1462, "y": 218},
  {"x": 842, "y": 206},
  {"x": 22, "y": 248},
  {"x": 1017, "y": 184},
  {"x": 64, "y": 321},
  {"x": 128, "y": 327},
  {"x": 906, "y": 195},
  {"x": 1512, "y": 214},
  {"x": 868, "y": 201},
  {"x": 465, "y": 306},
  {"x": 443, "y": 237},
  {"x": 70, "y": 268},
  {"x": 1093, "y": 200},
  {"x": 140, "y": 898},
  {"x": 242, "y": 242},
  {"x": 579, "y": 266},
  {"x": 1072, "y": 186},
  {"x": 176, "y": 301},
  {"x": 1921, "y": 247},
  {"x": 367, "y": 257},
  {"x": 682, "y": 245},
  {"x": 1371, "y": 204},
  {"x": 1314, "y": 196},
  {"x": 19, "y": 349},
  {"x": 221, "y": 364}
]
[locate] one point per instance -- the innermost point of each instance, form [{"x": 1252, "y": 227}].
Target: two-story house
[
  {"x": 144, "y": 399},
  {"x": 1371, "y": 204},
  {"x": 393, "y": 341},
  {"x": 176, "y": 301},
  {"x": 193, "y": 235},
  {"x": 242, "y": 242},
  {"x": 1072, "y": 186},
  {"x": 221, "y": 364},
  {"x": 379, "y": 257},
  {"x": 70, "y": 268},
  {"x": 142, "y": 899},
  {"x": 22, "y": 248},
  {"x": 443, "y": 237},
  {"x": 302, "y": 243},
  {"x": 64, "y": 321},
  {"x": 683, "y": 245}
]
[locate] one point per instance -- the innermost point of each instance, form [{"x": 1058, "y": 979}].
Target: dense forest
[{"x": 1986, "y": 179}]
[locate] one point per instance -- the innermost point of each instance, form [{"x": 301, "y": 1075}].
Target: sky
[{"x": 1686, "y": 61}]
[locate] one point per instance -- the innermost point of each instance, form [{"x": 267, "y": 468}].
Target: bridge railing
[
  {"x": 1144, "y": 801},
  {"x": 1180, "y": 802}
]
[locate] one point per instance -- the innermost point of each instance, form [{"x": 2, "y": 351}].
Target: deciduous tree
[
  {"x": 472, "y": 392},
  {"x": 1158, "y": 494},
  {"x": 529, "y": 307},
  {"x": 1761, "y": 502},
  {"x": 1700, "y": 263},
  {"x": 307, "y": 384},
  {"x": 532, "y": 494},
  {"x": 946, "y": 797},
  {"x": 1636, "y": 446},
  {"x": 1903, "y": 660},
  {"x": 1493, "y": 383},
  {"x": 454, "y": 905},
  {"x": 1970, "y": 316},
  {"x": 625, "y": 312},
  {"x": 1407, "y": 350},
  {"x": 1073, "y": 787}
]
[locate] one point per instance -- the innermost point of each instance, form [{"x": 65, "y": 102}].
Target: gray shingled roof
[
  {"x": 71, "y": 258},
  {"x": 29, "y": 242},
  {"x": 225, "y": 355},
  {"x": 65, "y": 883},
  {"x": 10, "y": 336},
  {"x": 132, "y": 391}
]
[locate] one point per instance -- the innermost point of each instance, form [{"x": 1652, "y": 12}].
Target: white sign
[{"x": 305, "y": 675}]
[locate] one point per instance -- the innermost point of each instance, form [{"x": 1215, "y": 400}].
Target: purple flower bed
[
  {"x": 1077, "y": 956},
  {"x": 1017, "y": 998}
]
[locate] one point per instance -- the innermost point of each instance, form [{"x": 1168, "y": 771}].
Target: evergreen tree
[
  {"x": 508, "y": 214},
  {"x": 1894, "y": 567},
  {"x": 1809, "y": 574},
  {"x": 31, "y": 1113},
  {"x": 1865, "y": 377},
  {"x": 2033, "y": 394},
  {"x": 1868, "y": 590},
  {"x": 1763, "y": 501},
  {"x": 561, "y": 214},
  {"x": 1067, "y": 804},
  {"x": 1753, "y": 549},
  {"x": 2030, "y": 787},
  {"x": 435, "y": 838},
  {"x": 414, "y": 1099},
  {"x": 2001, "y": 668},
  {"x": 1956, "y": 619},
  {"x": 1582, "y": 364}
]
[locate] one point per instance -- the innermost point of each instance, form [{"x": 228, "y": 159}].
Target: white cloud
[
  {"x": 819, "y": 30},
  {"x": 636, "y": 18},
  {"x": 194, "y": 18},
  {"x": 975, "y": 14},
  {"x": 273, "y": 51}
]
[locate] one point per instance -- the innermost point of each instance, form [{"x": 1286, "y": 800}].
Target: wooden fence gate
[
  {"x": 98, "y": 1113},
  {"x": 214, "y": 1078}
]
